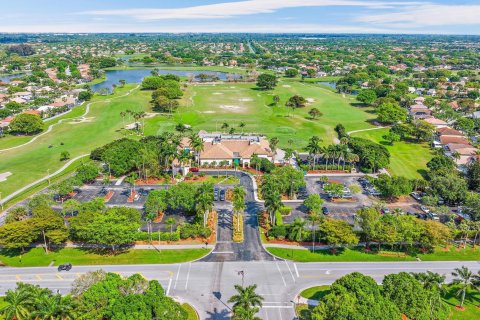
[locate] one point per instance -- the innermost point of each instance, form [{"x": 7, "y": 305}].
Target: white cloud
[
  {"x": 248, "y": 7},
  {"x": 428, "y": 15}
]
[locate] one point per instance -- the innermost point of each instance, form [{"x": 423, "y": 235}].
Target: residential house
[{"x": 437, "y": 123}]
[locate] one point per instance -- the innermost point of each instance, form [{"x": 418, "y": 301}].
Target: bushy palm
[
  {"x": 430, "y": 280},
  {"x": 464, "y": 279},
  {"x": 53, "y": 308},
  {"x": 20, "y": 303},
  {"x": 296, "y": 229},
  {"x": 246, "y": 298},
  {"x": 245, "y": 314}
]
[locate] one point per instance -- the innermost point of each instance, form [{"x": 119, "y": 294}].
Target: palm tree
[
  {"x": 150, "y": 217},
  {"x": 242, "y": 125},
  {"x": 272, "y": 198},
  {"x": 170, "y": 222},
  {"x": 296, "y": 228},
  {"x": 239, "y": 203},
  {"x": 53, "y": 308},
  {"x": 225, "y": 125},
  {"x": 19, "y": 304},
  {"x": 196, "y": 143},
  {"x": 430, "y": 280},
  {"x": 241, "y": 313},
  {"x": 314, "y": 148},
  {"x": 464, "y": 279},
  {"x": 273, "y": 146},
  {"x": 314, "y": 218},
  {"x": 142, "y": 115},
  {"x": 205, "y": 200},
  {"x": 246, "y": 298}
]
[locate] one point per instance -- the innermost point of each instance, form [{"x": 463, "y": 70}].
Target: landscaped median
[
  {"x": 36, "y": 257},
  {"x": 359, "y": 254}
]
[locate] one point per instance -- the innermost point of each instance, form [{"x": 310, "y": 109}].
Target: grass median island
[
  {"x": 358, "y": 255},
  {"x": 36, "y": 257},
  {"x": 192, "y": 313}
]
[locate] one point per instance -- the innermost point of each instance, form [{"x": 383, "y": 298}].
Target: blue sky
[{"x": 297, "y": 16}]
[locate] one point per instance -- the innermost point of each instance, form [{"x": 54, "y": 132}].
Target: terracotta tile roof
[
  {"x": 463, "y": 149},
  {"x": 228, "y": 149},
  {"x": 447, "y": 131},
  {"x": 435, "y": 121},
  {"x": 454, "y": 139}
]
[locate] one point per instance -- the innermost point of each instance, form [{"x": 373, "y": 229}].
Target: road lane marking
[
  {"x": 169, "y": 284},
  {"x": 284, "y": 283},
  {"x": 38, "y": 277},
  {"x": 18, "y": 277},
  {"x": 223, "y": 252},
  {"x": 276, "y": 307},
  {"x": 296, "y": 270},
  {"x": 289, "y": 270},
  {"x": 178, "y": 274},
  {"x": 188, "y": 275},
  {"x": 327, "y": 272},
  {"x": 59, "y": 276}
]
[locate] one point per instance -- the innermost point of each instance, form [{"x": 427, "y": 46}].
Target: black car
[
  {"x": 222, "y": 195},
  {"x": 325, "y": 210},
  {"x": 65, "y": 267}
]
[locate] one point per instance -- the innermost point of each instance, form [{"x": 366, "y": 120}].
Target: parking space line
[
  {"x": 188, "y": 275},
  {"x": 289, "y": 270},
  {"x": 296, "y": 270},
  {"x": 169, "y": 284}
]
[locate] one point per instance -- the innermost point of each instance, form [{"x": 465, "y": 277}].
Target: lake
[
  {"x": 8, "y": 78},
  {"x": 137, "y": 75},
  {"x": 332, "y": 85}
]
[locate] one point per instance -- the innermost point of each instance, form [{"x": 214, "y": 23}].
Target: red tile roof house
[
  {"x": 465, "y": 151},
  {"x": 445, "y": 140},
  {"x": 437, "y": 123}
]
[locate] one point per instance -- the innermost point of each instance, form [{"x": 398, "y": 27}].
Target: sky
[{"x": 258, "y": 16}]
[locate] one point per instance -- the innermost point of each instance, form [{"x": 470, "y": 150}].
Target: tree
[
  {"x": 296, "y": 102},
  {"x": 85, "y": 95},
  {"x": 291, "y": 73},
  {"x": 170, "y": 222},
  {"x": 441, "y": 164},
  {"x": 266, "y": 81},
  {"x": 241, "y": 313},
  {"x": 26, "y": 124},
  {"x": 338, "y": 232},
  {"x": 393, "y": 187},
  {"x": 276, "y": 99},
  {"x": 273, "y": 146},
  {"x": 156, "y": 201},
  {"x": 290, "y": 180},
  {"x": 464, "y": 278},
  {"x": 391, "y": 113},
  {"x": 204, "y": 200},
  {"x": 472, "y": 205},
  {"x": 54, "y": 307},
  {"x": 314, "y": 113},
  {"x": 87, "y": 172},
  {"x": 452, "y": 188},
  {"x": 17, "y": 214},
  {"x": 246, "y": 297},
  {"x": 314, "y": 148},
  {"x": 367, "y": 96},
  {"x": 391, "y": 137},
  {"x": 296, "y": 229},
  {"x": 369, "y": 220},
  {"x": 64, "y": 155},
  {"x": 355, "y": 296},
  {"x": 116, "y": 227},
  {"x": 17, "y": 234},
  {"x": 473, "y": 176},
  {"x": 314, "y": 218},
  {"x": 19, "y": 303},
  {"x": 313, "y": 203},
  {"x": 238, "y": 202}
]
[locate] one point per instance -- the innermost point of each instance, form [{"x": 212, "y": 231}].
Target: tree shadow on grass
[
  {"x": 423, "y": 173},
  {"x": 472, "y": 296}
]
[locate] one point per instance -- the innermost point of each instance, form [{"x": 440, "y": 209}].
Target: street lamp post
[{"x": 241, "y": 273}]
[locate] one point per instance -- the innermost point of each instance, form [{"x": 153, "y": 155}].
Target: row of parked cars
[
  {"x": 368, "y": 187},
  {"x": 218, "y": 195}
]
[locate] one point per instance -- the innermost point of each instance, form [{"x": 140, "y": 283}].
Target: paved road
[{"x": 208, "y": 283}]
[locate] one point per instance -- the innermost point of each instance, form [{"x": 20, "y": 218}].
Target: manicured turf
[
  {"x": 207, "y": 107},
  {"x": 192, "y": 314},
  {"x": 353, "y": 255},
  {"x": 37, "y": 257},
  {"x": 2, "y": 304},
  {"x": 315, "y": 293},
  {"x": 31, "y": 162},
  {"x": 407, "y": 159}
]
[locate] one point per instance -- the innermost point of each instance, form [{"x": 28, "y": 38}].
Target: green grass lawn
[
  {"x": 2, "y": 304},
  {"x": 103, "y": 125},
  {"x": 471, "y": 312},
  {"x": 192, "y": 313},
  {"x": 357, "y": 255},
  {"x": 37, "y": 257},
  {"x": 407, "y": 159},
  {"x": 207, "y": 107}
]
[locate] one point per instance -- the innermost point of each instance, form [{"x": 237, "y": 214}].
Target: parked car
[
  {"x": 65, "y": 267},
  {"x": 215, "y": 194},
  {"x": 385, "y": 210},
  {"x": 416, "y": 196},
  {"x": 194, "y": 169},
  {"x": 424, "y": 209},
  {"x": 325, "y": 210},
  {"x": 222, "y": 195}
]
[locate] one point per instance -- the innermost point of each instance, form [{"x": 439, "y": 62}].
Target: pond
[
  {"x": 8, "y": 78},
  {"x": 137, "y": 75},
  {"x": 332, "y": 85}
]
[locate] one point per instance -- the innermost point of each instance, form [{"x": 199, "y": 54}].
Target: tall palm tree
[
  {"x": 246, "y": 298},
  {"x": 273, "y": 199},
  {"x": 464, "y": 279},
  {"x": 314, "y": 148},
  {"x": 314, "y": 218},
  {"x": 20, "y": 303},
  {"x": 204, "y": 200},
  {"x": 150, "y": 216},
  {"x": 242, "y": 125},
  {"x": 431, "y": 280},
  {"x": 273, "y": 146},
  {"x": 53, "y": 308},
  {"x": 123, "y": 114},
  {"x": 170, "y": 222},
  {"x": 296, "y": 228},
  {"x": 238, "y": 203},
  {"x": 241, "y": 313},
  {"x": 196, "y": 143}
]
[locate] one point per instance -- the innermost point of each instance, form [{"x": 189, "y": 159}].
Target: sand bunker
[
  {"x": 82, "y": 120},
  {"x": 217, "y": 93},
  {"x": 4, "y": 176},
  {"x": 245, "y": 99},
  {"x": 209, "y": 111},
  {"x": 286, "y": 86},
  {"x": 232, "y": 87},
  {"x": 310, "y": 100},
  {"x": 232, "y": 108}
]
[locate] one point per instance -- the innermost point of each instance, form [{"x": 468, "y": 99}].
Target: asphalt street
[{"x": 208, "y": 283}]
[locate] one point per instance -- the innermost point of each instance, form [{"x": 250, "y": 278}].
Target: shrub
[
  {"x": 278, "y": 218},
  {"x": 194, "y": 231},
  {"x": 285, "y": 211},
  {"x": 278, "y": 232}
]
